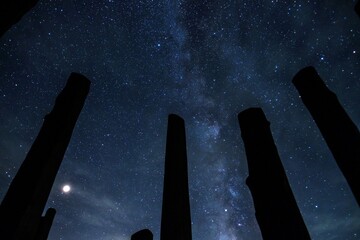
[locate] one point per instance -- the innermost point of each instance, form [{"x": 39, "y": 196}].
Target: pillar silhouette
[
  {"x": 357, "y": 8},
  {"x": 23, "y": 204},
  {"x": 175, "y": 218},
  {"x": 144, "y": 234},
  {"x": 276, "y": 210},
  {"x": 45, "y": 224},
  {"x": 11, "y": 11},
  {"x": 339, "y": 131}
]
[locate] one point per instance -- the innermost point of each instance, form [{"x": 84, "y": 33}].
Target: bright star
[{"x": 66, "y": 188}]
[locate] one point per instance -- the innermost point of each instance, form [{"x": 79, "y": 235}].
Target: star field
[{"x": 204, "y": 60}]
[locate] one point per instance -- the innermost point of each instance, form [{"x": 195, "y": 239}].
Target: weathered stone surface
[
  {"x": 22, "y": 206},
  {"x": 276, "y": 209},
  {"x": 339, "y": 131},
  {"x": 175, "y": 219}
]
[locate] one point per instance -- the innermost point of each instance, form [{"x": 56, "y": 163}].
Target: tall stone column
[
  {"x": 339, "y": 131},
  {"x": 276, "y": 210},
  {"x": 11, "y": 11},
  {"x": 144, "y": 234},
  {"x": 22, "y": 206},
  {"x": 45, "y": 224},
  {"x": 175, "y": 219}
]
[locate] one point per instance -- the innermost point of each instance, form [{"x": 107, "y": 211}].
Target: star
[{"x": 66, "y": 188}]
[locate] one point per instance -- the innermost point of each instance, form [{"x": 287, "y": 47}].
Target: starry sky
[{"x": 204, "y": 60}]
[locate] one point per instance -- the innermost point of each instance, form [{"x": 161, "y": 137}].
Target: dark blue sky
[{"x": 204, "y": 60}]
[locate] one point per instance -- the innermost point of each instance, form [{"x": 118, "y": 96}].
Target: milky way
[{"x": 204, "y": 60}]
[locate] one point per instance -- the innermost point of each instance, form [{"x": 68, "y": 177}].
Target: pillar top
[
  {"x": 308, "y": 79},
  {"x": 252, "y": 117},
  {"x": 78, "y": 80},
  {"x": 144, "y": 234},
  {"x": 175, "y": 118}
]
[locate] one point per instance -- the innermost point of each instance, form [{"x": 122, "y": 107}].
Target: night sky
[{"x": 203, "y": 60}]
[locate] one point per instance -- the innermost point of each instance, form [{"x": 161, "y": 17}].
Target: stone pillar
[
  {"x": 144, "y": 234},
  {"x": 23, "y": 204},
  {"x": 176, "y": 219},
  {"x": 339, "y": 131},
  {"x": 11, "y": 11},
  {"x": 276, "y": 210},
  {"x": 45, "y": 224}
]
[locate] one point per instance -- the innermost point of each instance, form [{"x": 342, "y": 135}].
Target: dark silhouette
[
  {"x": 144, "y": 234},
  {"x": 175, "y": 219},
  {"x": 11, "y": 11},
  {"x": 340, "y": 133},
  {"x": 357, "y": 8},
  {"x": 45, "y": 224},
  {"x": 277, "y": 213},
  {"x": 22, "y": 206}
]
